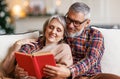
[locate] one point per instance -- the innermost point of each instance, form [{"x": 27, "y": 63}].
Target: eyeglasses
[{"x": 75, "y": 23}]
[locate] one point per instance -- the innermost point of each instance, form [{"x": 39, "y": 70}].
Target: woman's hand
[
  {"x": 21, "y": 74},
  {"x": 57, "y": 71}
]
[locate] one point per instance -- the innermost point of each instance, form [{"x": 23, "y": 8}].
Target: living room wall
[{"x": 103, "y": 12}]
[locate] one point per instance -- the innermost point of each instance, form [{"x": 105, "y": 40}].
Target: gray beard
[{"x": 76, "y": 34}]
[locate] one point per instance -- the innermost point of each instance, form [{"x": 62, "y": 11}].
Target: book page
[
  {"x": 46, "y": 49},
  {"x": 41, "y": 53}
]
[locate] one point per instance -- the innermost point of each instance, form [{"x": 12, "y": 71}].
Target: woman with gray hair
[{"x": 52, "y": 40}]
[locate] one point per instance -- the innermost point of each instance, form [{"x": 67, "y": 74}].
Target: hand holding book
[{"x": 34, "y": 64}]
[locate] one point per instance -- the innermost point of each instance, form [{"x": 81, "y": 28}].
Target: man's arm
[
  {"x": 59, "y": 71},
  {"x": 93, "y": 57}
]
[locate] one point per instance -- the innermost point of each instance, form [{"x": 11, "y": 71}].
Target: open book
[{"x": 34, "y": 64}]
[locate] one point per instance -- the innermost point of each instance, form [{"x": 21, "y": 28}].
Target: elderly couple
[{"x": 77, "y": 48}]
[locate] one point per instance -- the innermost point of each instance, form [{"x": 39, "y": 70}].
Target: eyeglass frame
[{"x": 73, "y": 21}]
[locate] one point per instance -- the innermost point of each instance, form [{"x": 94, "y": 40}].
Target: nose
[
  {"x": 71, "y": 25},
  {"x": 54, "y": 31}
]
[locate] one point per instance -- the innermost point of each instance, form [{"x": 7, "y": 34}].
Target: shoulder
[
  {"x": 64, "y": 48},
  {"x": 64, "y": 45},
  {"x": 40, "y": 38},
  {"x": 94, "y": 32}
]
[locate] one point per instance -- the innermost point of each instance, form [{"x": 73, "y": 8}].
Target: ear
[
  {"x": 88, "y": 22},
  {"x": 62, "y": 38}
]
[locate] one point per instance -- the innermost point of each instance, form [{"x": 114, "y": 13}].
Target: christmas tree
[{"x": 6, "y": 24}]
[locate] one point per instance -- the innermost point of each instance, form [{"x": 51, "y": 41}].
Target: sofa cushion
[
  {"x": 6, "y": 41},
  {"x": 111, "y": 58}
]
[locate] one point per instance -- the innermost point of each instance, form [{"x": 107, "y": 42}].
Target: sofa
[
  {"x": 110, "y": 62},
  {"x": 7, "y": 41},
  {"x": 111, "y": 58}
]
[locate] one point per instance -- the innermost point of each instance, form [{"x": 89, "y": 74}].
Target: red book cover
[{"x": 34, "y": 64}]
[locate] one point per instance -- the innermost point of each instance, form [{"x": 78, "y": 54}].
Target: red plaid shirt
[
  {"x": 87, "y": 51},
  {"x": 38, "y": 45}
]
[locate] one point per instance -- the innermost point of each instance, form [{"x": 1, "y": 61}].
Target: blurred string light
[
  {"x": 20, "y": 9},
  {"x": 2, "y": 14},
  {"x": 58, "y": 3},
  {"x": 18, "y": 12},
  {"x": 25, "y": 3}
]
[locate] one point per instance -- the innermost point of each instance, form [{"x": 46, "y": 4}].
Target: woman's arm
[
  {"x": 8, "y": 65},
  {"x": 66, "y": 55},
  {"x": 60, "y": 70}
]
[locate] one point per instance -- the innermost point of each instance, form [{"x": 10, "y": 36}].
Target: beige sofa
[
  {"x": 111, "y": 58},
  {"x": 6, "y": 42}
]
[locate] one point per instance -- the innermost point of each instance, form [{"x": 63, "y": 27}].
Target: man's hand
[
  {"x": 19, "y": 43},
  {"x": 57, "y": 71},
  {"x": 25, "y": 41}
]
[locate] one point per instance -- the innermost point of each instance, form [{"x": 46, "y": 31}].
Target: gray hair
[
  {"x": 81, "y": 7},
  {"x": 61, "y": 19}
]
